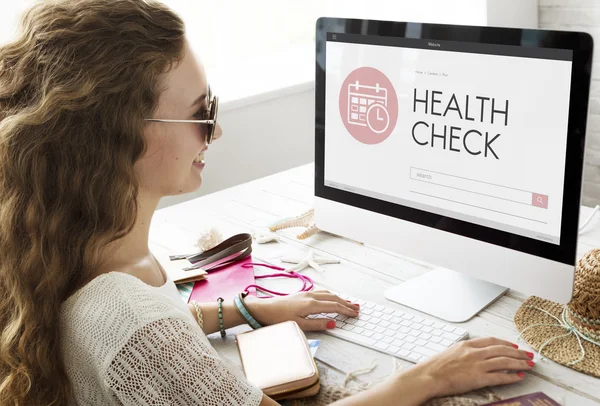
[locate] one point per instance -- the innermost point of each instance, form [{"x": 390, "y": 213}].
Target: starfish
[
  {"x": 306, "y": 220},
  {"x": 308, "y": 261},
  {"x": 263, "y": 238}
]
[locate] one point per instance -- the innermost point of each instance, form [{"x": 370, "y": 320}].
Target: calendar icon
[
  {"x": 368, "y": 105},
  {"x": 361, "y": 98}
]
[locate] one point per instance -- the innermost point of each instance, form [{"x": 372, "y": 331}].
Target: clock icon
[{"x": 378, "y": 118}]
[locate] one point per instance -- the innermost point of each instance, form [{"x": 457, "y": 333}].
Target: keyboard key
[
  {"x": 361, "y": 302},
  {"x": 348, "y": 327},
  {"x": 396, "y": 320},
  {"x": 460, "y": 331},
  {"x": 398, "y": 343},
  {"x": 387, "y": 340},
  {"x": 389, "y": 333},
  {"x": 377, "y": 336},
  {"x": 369, "y": 305},
  {"x": 439, "y": 325},
  {"x": 358, "y": 330},
  {"x": 424, "y": 336},
  {"x": 418, "y": 319},
  {"x": 375, "y": 320},
  {"x": 428, "y": 323},
  {"x": 416, "y": 326},
  {"x": 382, "y": 346},
  {"x": 367, "y": 333},
  {"x": 446, "y": 343},
  {"x": 388, "y": 310},
  {"x": 437, "y": 332},
  {"x": 424, "y": 351},
  {"x": 339, "y": 324},
  {"x": 364, "y": 317},
  {"x": 426, "y": 329},
  {"x": 403, "y": 352},
  {"x": 393, "y": 349},
  {"x": 366, "y": 311},
  {"x": 350, "y": 336},
  {"x": 420, "y": 342},
  {"x": 414, "y": 333},
  {"x": 436, "y": 340},
  {"x": 400, "y": 336},
  {"x": 410, "y": 339},
  {"x": 377, "y": 314},
  {"x": 340, "y": 317},
  {"x": 394, "y": 326},
  {"x": 404, "y": 330},
  {"x": 379, "y": 308},
  {"x": 407, "y": 323},
  {"x": 360, "y": 323},
  {"x": 387, "y": 317},
  {"x": 435, "y": 347},
  {"x": 450, "y": 336},
  {"x": 408, "y": 346},
  {"x": 331, "y": 315},
  {"x": 414, "y": 356},
  {"x": 398, "y": 313},
  {"x": 407, "y": 316},
  {"x": 449, "y": 329},
  {"x": 350, "y": 320},
  {"x": 371, "y": 326},
  {"x": 379, "y": 329},
  {"x": 384, "y": 323}
]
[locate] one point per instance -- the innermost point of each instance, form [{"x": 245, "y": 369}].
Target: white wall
[
  {"x": 258, "y": 140},
  {"x": 582, "y": 15}
]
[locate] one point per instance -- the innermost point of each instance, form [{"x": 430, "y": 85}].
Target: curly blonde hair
[{"x": 75, "y": 87}]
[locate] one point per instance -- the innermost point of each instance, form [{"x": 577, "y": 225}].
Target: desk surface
[{"x": 364, "y": 272}]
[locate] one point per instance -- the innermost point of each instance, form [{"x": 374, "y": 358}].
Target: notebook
[{"x": 224, "y": 282}]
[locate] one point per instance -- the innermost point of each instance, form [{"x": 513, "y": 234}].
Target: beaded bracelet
[
  {"x": 221, "y": 328},
  {"x": 198, "y": 313}
]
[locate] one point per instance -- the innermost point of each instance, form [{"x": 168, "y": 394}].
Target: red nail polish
[
  {"x": 521, "y": 374},
  {"x": 357, "y": 305},
  {"x": 530, "y": 363},
  {"x": 330, "y": 324},
  {"x": 529, "y": 354},
  {"x": 515, "y": 345}
]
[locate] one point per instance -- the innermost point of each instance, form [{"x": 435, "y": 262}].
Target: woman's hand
[
  {"x": 475, "y": 364},
  {"x": 299, "y": 305}
]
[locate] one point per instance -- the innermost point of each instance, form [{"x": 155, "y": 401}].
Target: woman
[{"x": 86, "y": 313}]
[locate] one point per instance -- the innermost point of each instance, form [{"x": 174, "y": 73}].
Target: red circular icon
[{"x": 368, "y": 105}]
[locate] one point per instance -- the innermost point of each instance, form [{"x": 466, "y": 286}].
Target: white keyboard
[{"x": 394, "y": 332}]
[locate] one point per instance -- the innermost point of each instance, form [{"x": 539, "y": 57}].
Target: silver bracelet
[{"x": 198, "y": 313}]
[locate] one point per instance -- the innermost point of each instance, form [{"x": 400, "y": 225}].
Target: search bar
[{"x": 478, "y": 187}]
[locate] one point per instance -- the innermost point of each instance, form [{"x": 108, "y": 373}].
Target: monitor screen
[{"x": 475, "y": 132}]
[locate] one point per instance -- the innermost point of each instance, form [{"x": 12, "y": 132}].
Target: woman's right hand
[{"x": 474, "y": 364}]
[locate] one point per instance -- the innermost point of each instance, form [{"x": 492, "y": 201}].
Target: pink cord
[{"x": 303, "y": 278}]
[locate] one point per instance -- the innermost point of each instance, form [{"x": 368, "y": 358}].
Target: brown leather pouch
[
  {"x": 194, "y": 267},
  {"x": 277, "y": 360}
]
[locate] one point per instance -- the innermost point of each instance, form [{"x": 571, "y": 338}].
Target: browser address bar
[{"x": 479, "y": 187}]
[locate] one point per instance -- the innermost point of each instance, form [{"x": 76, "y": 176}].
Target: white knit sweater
[{"x": 125, "y": 342}]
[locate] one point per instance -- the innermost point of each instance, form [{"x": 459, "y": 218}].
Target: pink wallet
[{"x": 277, "y": 360}]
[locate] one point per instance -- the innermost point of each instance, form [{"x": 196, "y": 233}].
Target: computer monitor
[{"x": 460, "y": 146}]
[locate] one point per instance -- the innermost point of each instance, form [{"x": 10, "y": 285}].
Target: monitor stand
[{"x": 446, "y": 294}]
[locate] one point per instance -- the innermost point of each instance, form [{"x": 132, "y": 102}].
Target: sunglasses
[{"x": 211, "y": 122}]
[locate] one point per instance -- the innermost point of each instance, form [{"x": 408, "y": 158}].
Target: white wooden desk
[{"x": 364, "y": 272}]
